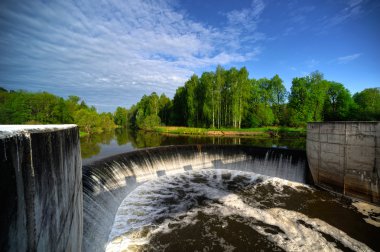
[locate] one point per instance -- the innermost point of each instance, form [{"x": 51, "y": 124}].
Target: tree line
[
  {"x": 21, "y": 107},
  {"x": 217, "y": 99},
  {"x": 230, "y": 99}
]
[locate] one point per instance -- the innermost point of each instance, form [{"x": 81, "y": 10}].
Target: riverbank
[{"x": 252, "y": 132}]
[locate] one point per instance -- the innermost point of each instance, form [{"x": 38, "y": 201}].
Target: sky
[{"x": 112, "y": 52}]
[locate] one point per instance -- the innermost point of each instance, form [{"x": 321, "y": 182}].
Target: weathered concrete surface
[
  {"x": 40, "y": 188},
  {"x": 345, "y": 157}
]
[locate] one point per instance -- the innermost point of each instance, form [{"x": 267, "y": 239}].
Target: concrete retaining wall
[
  {"x": 40, "y": 188},
  {"x": 345, "y": 157}
]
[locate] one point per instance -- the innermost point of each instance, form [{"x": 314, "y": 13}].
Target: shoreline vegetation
[
  {"x": 225, "y": 102},
  {"x": 273, "y": 131}
]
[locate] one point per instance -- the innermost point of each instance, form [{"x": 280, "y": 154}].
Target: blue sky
[{"x": 111, "y": 52}]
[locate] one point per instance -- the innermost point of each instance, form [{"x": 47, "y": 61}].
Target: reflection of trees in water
[
  {"x": 122, "y": 136},
  {"x": 90, "y": 144},
  {"x": 88, "y": 147},
  {"x": 141, "y": 139}
]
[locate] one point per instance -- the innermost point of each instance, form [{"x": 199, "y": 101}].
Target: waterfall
[{"x": 107, "y": 182}]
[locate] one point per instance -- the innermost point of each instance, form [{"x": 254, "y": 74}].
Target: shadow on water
[{"x": 98, "y": 146}]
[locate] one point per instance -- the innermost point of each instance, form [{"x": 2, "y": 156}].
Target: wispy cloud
[
  {"x": 297, "y": 17},
  {"x": 312, "y": 63},
  {"x": 120, "y": 48},
  {"x": 349, "y": 10},
  {"x": 348, "y": 58}
]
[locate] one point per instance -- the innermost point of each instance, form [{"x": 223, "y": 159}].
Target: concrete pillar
[
  {"x": 40, "y": 188},
  {"x": 345, "y": 157}
]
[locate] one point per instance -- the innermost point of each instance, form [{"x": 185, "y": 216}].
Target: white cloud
[
  {"x": 312, "y": 63},
  {"x": 348, "y": 58},
  {"x": 349, "y": 10},
  {"x": 131, "y": 47}
]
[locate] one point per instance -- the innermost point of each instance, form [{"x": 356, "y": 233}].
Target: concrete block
[
  {"x": 332, "y": 167},
  {"x": 359, "y": 165},
  {"x": 336, "y": 138},
  {"x": 360, "y": 152},
  {"x": 331, "y": 148},
  {"x": 361, "y": 127},
  {"x": 377, "y": 152},
  {"x": 361, "y": 139},
  {"x": 367, "y": 126},
  {"x": 313, "y": 127},
  {"x": 323, "y": 138},
  {"x": 334, "y": 128},
  {"x": 330, "y": 157},
  {"x": 313, "y": 148},
  {"x": 350, "y": 148},
  {"x": 313, "y": 136},
  {"x": 377, "y": 128},
  {"x": 377, "y": 141},
  {"x": 342, "y": 150},
  {"x": 313, "y": 154},
  {"x": 331, "y": 179},
  {"x": 357, "y": 187}
]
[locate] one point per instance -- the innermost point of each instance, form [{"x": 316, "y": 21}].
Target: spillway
[
  {"x": 218, "y": 198},
  {"x": 107, "y": 182}
]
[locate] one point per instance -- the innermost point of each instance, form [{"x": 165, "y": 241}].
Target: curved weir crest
[
  {"x": 107, "y": 182},
  {"x": 218, "y": 197}
]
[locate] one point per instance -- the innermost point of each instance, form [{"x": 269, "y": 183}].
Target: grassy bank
[
  {"x": 262, "y": 131},
  {"x": 83, "y": 134}
]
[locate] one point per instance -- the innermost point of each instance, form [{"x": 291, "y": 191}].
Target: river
[{"x": 98, "y": 146}]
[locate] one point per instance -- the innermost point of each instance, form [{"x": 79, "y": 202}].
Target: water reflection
[{"x": 98, "y": 146}]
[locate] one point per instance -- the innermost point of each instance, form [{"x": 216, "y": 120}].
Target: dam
[{"x": 218, "y": 197}]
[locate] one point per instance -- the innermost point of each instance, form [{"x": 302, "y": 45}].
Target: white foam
[
  {"x": 371, "y": 212},
  {"x": 146, "y": 204}
]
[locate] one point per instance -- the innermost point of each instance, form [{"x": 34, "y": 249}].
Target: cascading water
[{"x": 214, "y": 197}]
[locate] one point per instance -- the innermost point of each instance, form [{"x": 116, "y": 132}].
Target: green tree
[
  {"x": 179, "y": 110},
  {"x": 165, "y": 106},
  {"x": 120, "y": 116},
  {"x": 307, "y": 99},
  {"x": 192, "y": 100},
  {"x": 338, "y": 102},
  {"x": 368, "y": 104}
]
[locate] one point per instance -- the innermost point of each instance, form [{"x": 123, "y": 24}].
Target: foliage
[
  {"x": 219, "y": 99},
  {"x": 367, "y": 105},
  {"x": 120, "y": 116},
  {"x": 20, "y": 107}
]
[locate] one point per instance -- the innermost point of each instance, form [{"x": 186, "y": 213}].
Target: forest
[
  {"x": 219, "y": 99},
  {"x": 21, "y": 107},
  {"x": 229, "y": 99}
]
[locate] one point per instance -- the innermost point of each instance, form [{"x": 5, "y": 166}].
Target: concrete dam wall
[
  {"x": 345, "y": 157},
  {"x": 40, "y": 188},
  {"x": 107, "y": 182}
]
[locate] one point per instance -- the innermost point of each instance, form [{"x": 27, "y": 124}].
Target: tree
[
  {"x": 368, "y": 104},
  {"x": 338, "y": 102},
  {"x": 277, "y": 95},
  {"x": 120, "y": 116},
  {"x": 179, "y": 110},
  {"x": 206, "y": 84},
  {"x": 192, "y": 101},
  {"x": 307, "y": 99},
  {"x": 88, "y": 121},
  {"x": 165, "y": 106},
  {"x": 218, "y": 87}
]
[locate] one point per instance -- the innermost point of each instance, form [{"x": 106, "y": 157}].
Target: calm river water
[{"x": 98, "y": 146}]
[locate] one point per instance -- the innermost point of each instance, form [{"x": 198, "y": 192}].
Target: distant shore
[{"x": 273, "y": 131}]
